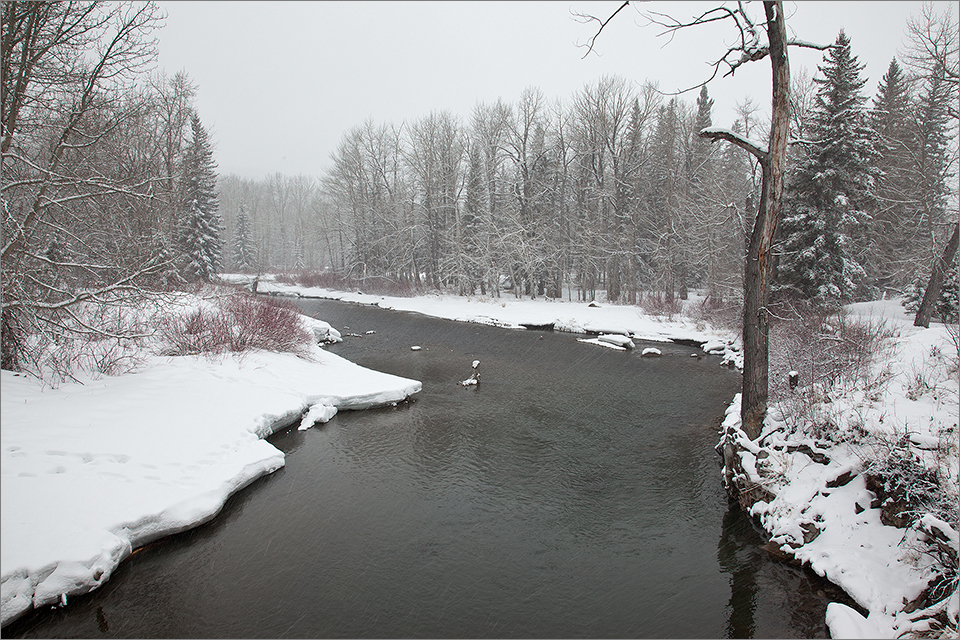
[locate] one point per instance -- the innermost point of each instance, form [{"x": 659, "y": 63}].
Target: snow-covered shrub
[
  {"x": 238, "y": 323},
  {"x": 96, "y": 337},
  {"x": 905, "y": 486}
]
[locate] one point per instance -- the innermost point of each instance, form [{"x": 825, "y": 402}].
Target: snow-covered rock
[{"x": 617, "y": 339}]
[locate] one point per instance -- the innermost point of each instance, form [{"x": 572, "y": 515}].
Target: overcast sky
[{"x": 280, "y": 83}]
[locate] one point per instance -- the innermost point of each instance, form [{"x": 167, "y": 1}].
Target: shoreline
[{"x": 93, "y": 471}]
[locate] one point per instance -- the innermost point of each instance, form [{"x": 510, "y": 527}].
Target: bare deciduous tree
[{"x": 80, "y": 221}]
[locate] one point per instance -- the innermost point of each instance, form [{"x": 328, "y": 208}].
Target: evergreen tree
[
  {"x": 831, "y": 193},
  {"x": 894, "y": 232},
  {"x": 200, "y": 224},
  {"x": 243, "y": 249}
]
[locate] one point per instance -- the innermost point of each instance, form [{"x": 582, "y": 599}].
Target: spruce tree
[
  {"x": 243, "y": 249},
  {"x": 200, "y": 224},
  {"x": 830, "y": 194},
  {"x": 894, "y": 232}
]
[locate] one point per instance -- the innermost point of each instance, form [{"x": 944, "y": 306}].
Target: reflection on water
[{"x": 574, "y": 493}]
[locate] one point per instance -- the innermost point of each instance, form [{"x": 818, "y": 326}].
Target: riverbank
[
  {"x": 859, "y": 480},
  {"x": 99, "y": 466},
  {"x": 821, "y": 455},
  {"x": 556, "y": 315}
]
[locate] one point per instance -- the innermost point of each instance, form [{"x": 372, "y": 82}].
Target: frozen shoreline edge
[{"x": 27, "y": 588}]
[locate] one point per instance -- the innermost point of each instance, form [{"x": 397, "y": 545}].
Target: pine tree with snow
[
  {"x": 243, "y": 248},
  {"x": 200, "y": 225},
  {"x": 893, "y": 233},
  {"x": 831, "y": 194}
]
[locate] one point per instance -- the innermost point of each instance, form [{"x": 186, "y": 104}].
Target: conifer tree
[
  {"x": 894, "y": 231},
  {"x": 200, "y": 224},
  {"x": 243, "y": 249},
  {"x": 831, "y": 193}
]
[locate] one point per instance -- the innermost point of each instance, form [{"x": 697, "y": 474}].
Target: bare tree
[
  {"x": 68, "y": 72},
  {"x": 934, "y": 56},
  {"x": 750, "y": 47}
]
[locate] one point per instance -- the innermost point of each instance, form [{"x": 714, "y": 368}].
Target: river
[{"x": 573, "y": 493}]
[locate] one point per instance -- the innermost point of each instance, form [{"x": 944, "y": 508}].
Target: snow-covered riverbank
[
  {"x": 92, "y": 471},
  {"x": 824, "y": 454},
  {"x": 823, "y": 514},
  {"x": 510, "y": 312}
]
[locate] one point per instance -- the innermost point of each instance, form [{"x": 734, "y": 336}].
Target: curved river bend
[{"x": 574, "y": 493}]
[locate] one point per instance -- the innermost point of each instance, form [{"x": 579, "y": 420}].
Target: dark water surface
[{"x": 574, "y": 493}]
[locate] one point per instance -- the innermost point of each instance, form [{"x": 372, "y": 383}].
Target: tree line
[
  {"x": 614, "y": 190},
  {"x": 109, "y": 183},
  {"x": 111, "y": 192}
]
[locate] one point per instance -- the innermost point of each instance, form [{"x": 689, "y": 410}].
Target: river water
[{"x": 573, "y": 493}]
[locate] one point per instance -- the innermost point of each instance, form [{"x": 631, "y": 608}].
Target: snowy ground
[
  {"x": 92, "y": 471},
  {"x": 913, "y": 392},
  {"x": 825, "y": 516}
]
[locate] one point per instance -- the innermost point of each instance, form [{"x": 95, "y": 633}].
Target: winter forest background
[{"x": 111, "y": 191}]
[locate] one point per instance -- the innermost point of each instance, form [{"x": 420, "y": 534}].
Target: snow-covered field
[{"x": 92, "y": 471}]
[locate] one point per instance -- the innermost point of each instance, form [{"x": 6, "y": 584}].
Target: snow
[
  {"x": 92, "y": 471},
  {"x": 626, "y": 321},
  {"x": 759, "y": 146},
  {"x": 881, "y": 567}
]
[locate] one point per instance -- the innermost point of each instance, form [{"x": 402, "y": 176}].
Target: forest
[{"x": 111, "y": 191}]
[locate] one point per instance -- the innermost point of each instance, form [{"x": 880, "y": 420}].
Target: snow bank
[
  {"x": 572, "y": 317},
  {"x": 822, "y": 512},
  {"x": 92, "y": 471}
]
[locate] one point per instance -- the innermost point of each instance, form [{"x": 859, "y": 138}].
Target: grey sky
[{"x": 280, "y": 83}]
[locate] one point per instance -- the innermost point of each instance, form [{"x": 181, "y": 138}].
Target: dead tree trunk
[
  {"x": 758, "y": 268},
  {"x": 932, "y": 292}
]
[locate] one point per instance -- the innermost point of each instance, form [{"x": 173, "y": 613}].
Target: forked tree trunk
[{"x": 932, "y": 292}]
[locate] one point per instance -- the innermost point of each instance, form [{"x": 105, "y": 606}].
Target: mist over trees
[
  {"x": 111, "y": 192},
  {"x": 612, "y": 190}
]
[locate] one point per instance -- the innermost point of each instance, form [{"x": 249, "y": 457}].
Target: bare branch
[{"x": 585, "y": 18}]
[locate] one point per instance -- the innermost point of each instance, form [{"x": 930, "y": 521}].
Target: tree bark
[
  {"x": 932, "y": 292},
  {"x": 758, "y": 269}
]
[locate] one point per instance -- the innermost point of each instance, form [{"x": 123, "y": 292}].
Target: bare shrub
[
  {"x": 827, "y": 348},
  {"x": 271, "y": 325},
  {"x": 200, "y": 331},
  {"x": 658, "y": 303},
  {"x": 723, "y": 313},
  {"x": 240, "y": 323},
  {"x": 329, "y": 279}
]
